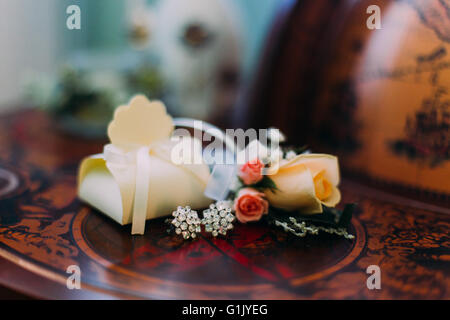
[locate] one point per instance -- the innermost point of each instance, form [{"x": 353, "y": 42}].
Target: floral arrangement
[{"x": 300, "y": 198}]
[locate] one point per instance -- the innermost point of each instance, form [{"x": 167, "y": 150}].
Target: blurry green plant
[
  {"x": 83, "y": 102},
  {"x": 147, "y": 80}
]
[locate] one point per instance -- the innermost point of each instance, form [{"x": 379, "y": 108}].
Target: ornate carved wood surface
[{"x": 45, "y": 229}]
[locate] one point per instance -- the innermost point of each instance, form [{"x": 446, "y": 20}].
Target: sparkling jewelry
[
  {"x": 186, "y": 222},
  {"x": 218, "y": 219}
]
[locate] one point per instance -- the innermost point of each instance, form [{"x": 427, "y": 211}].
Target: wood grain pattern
[{"x": 45, "y": 228}]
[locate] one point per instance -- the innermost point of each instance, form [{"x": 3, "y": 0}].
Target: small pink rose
[
  {"x": 250, "y": 173},
  {"x": 250, "y": 205}
]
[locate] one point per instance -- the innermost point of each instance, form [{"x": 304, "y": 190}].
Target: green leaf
[
  {"x": 347, "y": 214},
  {"x": 265, "y": 183}
]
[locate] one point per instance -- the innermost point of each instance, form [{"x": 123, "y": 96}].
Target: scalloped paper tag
[{"x": 140, "y": 123}]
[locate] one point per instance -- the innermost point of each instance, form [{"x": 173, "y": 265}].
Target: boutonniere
[{"x": 289, "y": 188}]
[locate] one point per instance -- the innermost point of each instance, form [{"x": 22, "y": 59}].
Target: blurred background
[
  {"x": 377, "y": 98},
  {"x": 194, "y": 55}
]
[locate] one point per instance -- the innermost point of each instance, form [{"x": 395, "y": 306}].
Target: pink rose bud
[
  {"x": 250, "y": 205},
  {"x": 250, "y": 173}
]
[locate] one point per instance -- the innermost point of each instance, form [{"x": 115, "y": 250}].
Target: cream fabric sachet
[{"x": 134, "y": 178}]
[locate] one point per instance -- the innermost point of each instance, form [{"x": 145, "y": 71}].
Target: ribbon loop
[{"x": 222, "y": 177}]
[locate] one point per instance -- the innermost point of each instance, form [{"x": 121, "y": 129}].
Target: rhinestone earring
[
  {"x": 186, "y": 222},
  {"x": 218, "y": 219}
]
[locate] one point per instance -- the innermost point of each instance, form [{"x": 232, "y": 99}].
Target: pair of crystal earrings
[{"x": 217, "y": 219}]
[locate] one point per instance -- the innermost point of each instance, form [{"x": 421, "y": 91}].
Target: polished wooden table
[{"x": 44, "y": 229}]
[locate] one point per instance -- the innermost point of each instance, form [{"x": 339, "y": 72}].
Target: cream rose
[{"x": 306, "y": 182}]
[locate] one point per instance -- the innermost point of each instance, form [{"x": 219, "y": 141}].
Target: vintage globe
[{"x": 378, "y": 98}]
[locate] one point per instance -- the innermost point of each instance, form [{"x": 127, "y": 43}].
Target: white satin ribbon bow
[{"x": 140, "y": 158}]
